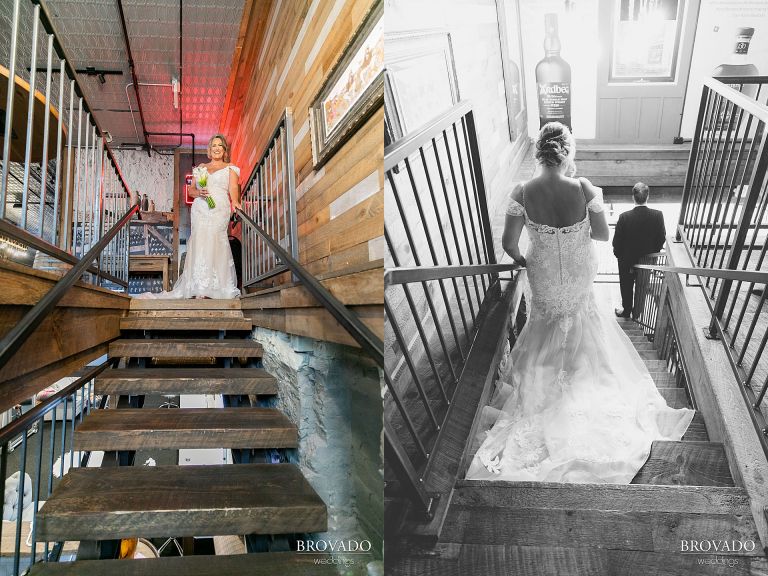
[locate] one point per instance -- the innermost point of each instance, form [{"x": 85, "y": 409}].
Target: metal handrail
[
  {"x": 7, "y": 433},
  {"x": 14, "y": 339},
  {"x": 8, "y": 229},
  {"x": 363, "y": 335},
  {"x": 406, "y": 275},
  {"x": 741, "y": 100},
  {"x": 738, "y": 275},
  {"x": 403, "y": 148}
]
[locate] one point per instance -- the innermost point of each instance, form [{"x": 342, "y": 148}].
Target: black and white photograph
[{"x": 575, "y": 286}]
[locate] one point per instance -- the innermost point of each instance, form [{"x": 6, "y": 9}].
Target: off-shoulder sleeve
[
  {"x": 514, "y": 208},
  {"x": 596, "y": 204},
  {"x": 235, "y": 169}
]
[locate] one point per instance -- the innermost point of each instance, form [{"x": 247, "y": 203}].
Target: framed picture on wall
[
  {"x": 353, "y": 90},
  {"x": 421, "y": 79}
]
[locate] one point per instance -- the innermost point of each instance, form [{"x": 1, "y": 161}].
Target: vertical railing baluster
[
  {"x": 46, "y": 128},
  {"x": 8, "y": 133},
  {"x": 291, "y": 184},
  {"x": 57, "y": 228},
  {"x": 36, "y": 488},
  {"x": 68, "y": 219},
  {"x": 30, "y": 119},
  {"x": 20, "y": 502}
]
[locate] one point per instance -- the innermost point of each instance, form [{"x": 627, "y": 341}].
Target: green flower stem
[{"x": 211, "y": 203}]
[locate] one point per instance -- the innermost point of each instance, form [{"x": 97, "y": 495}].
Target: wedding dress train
[
  {"x": 574, "y": 401},
  {"x": 208, "y": 269}
]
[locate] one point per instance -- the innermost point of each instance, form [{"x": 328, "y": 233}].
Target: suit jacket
[{"x": 639, "y": 231}]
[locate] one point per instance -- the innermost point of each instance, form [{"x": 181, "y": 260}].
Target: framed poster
[
  {"x": 353, "y": 90},
  {"x": 421, "y": 79}
]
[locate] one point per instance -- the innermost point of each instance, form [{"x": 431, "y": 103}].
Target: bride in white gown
[
  {"x": 209, "y": 271},
  {"x": 574, "y": 401}
]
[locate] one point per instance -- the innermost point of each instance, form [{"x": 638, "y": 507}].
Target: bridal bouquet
[{"x": 201, "y": 175}]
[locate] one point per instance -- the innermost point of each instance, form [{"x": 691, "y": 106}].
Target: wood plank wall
[
  {"x": 76, "y": 332},
  {"x": 285, "y": 51}
]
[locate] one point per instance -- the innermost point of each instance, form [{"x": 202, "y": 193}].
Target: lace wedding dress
[
  {"x": 574, "y": 401},
  {"x": 208, "y": 269}
]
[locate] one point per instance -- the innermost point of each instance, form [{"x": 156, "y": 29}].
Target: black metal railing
[
  {"x": 416, "y": 408},
  {"x": 723, "y": 217},
  {"x": 349, "y": 321},
  {"x": 669, "y": 350},
  {"x": 440, "y": 266},
  {"x": 648, "y": 285},
  {"x": 42, "y": 433},
  {"x": 745, "y": 353},
  {"x": 69, "y": 190},
  {"x": 269, "y": 198},
  {"x": 14, "y": 339}
]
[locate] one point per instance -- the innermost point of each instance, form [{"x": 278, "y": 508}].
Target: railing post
[
  {"x": 755, "y": 188},
  {"x": 692, "y": 160},
  {"x": 477, "y": 170}
]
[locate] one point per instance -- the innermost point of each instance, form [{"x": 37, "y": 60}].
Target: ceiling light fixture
[{"x": 175, "y": 87}]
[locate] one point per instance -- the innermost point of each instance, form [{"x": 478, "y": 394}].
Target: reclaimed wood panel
[
  {"x": 134, "y": 429},
  {"x": 185, "y": 381},
  {"x": 181, "y": 323},
  {"x": 157, "y": 501},
  {"x": 629, "y": 517},
  {"x": 689, "y": 463},
  {"x": 283, "y": 61},
  {"x": 175, "y": 348}
]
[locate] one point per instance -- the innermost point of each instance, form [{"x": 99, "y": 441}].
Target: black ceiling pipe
[
  {"x": 133, "y": 73},
  {"x": 180, "y": 135}
]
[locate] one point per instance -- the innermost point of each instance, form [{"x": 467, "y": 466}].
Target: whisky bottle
[
  {"x": 738, "y": 65},
  {"x": 553, "y": 78}
]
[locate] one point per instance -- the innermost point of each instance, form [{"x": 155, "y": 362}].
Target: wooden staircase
[
  {"x": 168, "y": 347},
  {"x": 684, "y": 492}
]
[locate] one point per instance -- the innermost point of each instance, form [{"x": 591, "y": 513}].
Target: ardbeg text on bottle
[{"x": 553, "y": 78}]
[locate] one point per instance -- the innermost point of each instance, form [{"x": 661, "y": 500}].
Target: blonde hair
[{"x": 223, "y": 143}]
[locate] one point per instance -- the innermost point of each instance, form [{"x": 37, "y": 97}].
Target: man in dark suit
[{"x": 639, "y": 231}]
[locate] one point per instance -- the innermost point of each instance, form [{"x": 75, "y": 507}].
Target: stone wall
[
  {"x": 150, "y": 175},
  {"x": 332, "y": 393}
]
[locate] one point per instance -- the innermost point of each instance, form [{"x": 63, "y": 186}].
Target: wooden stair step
[
  {"x": 181, "y": 323},
  {"x": 185, "y": 314},
  {"x": 675, "y": 397},
  {"x": 263, "y": 564},
  {"x": 644, "y": 346},
  {"x": 636, "y": 517},
  {"x": 185, "y": 381},
  {"x": 186, "y": 348},
  {"x": 637, "y": 338},
  {"x": 655, "y": 365},
  {"x": 664, "y": 379},
  {"x": 185, "y": 304},
  {"x": 697, "y": 431},
  {"x": 455, "y": 559},
  {"x": 161, "y": 501},
  {"x": 651, "y": 354},
  {"x": 686, "y": 463},
  {"x": 157, "y": 428}
]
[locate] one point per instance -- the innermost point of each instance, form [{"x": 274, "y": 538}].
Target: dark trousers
[
  {"x": 627, "y": 285},
  {"x": 237, "y": 255}
]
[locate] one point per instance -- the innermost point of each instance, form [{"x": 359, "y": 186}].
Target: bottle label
[
  {"x": 741, "y": 47},
  {"x": 554, "y": 100}
]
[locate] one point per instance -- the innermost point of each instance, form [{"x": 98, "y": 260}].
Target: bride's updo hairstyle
[
  {"x": 555, "y": 145},
  {"x": 223, "y": 142}
]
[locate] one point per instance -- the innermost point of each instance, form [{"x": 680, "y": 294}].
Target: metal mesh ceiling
[{"x": 91, "y": 32}]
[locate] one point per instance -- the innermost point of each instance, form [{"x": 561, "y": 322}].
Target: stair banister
[
  {"x": 363, "y": 335},
  {"x": 14, "y": 339}
]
